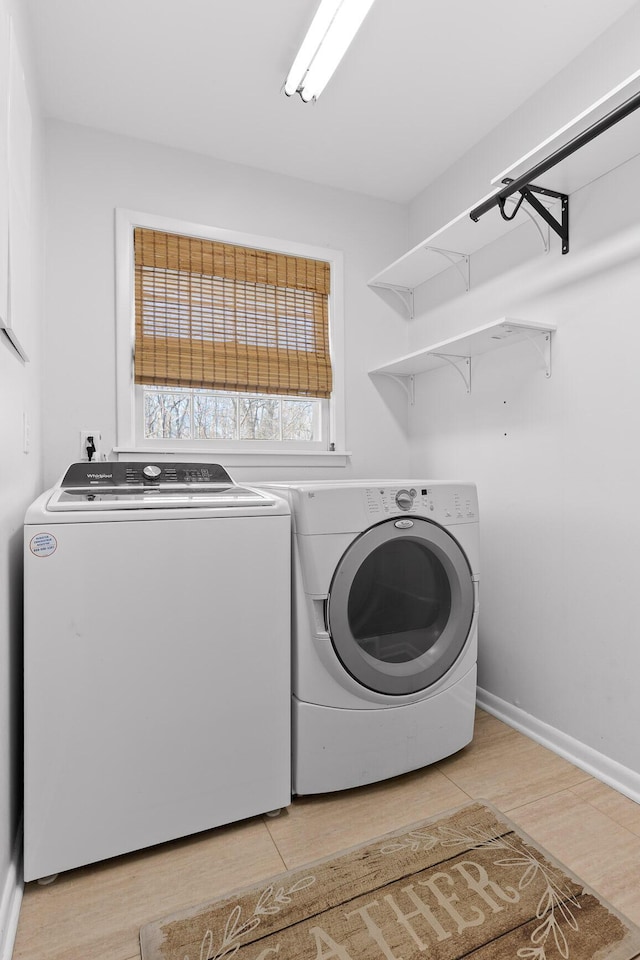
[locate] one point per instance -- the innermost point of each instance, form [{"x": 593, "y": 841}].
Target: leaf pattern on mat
[
  {"x": 269, "y": 902},
  {"x": 413, "y": 842},
  {"x": 554, "y": 908},
  {"x": 280, "y": 897},
  {"x": 555, "y": 904},
  {"x": 445, "y": 837},
  {"x": 235, "y": 929}
]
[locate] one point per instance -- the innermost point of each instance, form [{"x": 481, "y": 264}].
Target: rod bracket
[{"x": 528, "y": 193}]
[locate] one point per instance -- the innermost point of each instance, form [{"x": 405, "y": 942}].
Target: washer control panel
[
  {"x": 443, "y": 503},
  {"x": 131, "y": 474}
]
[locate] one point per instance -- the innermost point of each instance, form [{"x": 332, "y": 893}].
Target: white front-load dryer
[{"x": 385, "y": 614}]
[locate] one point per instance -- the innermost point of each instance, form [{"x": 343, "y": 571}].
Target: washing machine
[
  {"x": 385, "y": 628},
  {"x": 156, "y": 659}
]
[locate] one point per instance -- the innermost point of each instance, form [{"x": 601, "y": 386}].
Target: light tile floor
[{"x": 95, "y": 913}]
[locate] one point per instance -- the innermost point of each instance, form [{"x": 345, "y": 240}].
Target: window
[{"x": 225, "y": 342}]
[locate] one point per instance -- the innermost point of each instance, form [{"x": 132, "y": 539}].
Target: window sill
[{"x": 235, "y": 458}]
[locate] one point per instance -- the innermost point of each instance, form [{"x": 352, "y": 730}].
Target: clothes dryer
[{"x": 385, "y": 621}]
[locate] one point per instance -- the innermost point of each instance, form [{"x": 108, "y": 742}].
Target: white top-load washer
[
  {"x": 385, "y": 597},
  {"x": 156, "y": 656}
]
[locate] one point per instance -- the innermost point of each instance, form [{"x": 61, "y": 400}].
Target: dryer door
[{"x": 400, "y": 605}]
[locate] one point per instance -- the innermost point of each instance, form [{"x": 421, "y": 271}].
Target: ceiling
[{"x": 421, "y": 83}]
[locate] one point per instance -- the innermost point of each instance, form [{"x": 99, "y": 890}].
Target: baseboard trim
[
  {"x": 596, "y": 764},
  {"x": 11, "y": 901}
]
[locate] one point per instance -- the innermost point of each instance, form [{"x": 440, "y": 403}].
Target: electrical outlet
[{"x": 89, "y": 439}]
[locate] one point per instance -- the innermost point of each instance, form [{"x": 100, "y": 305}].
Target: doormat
[{"x": 466, "y": 884}]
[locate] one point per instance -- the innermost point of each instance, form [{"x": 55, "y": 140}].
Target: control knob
[
  {"x": 404, "y": 500},
  {"x": 152, "y": 472}
]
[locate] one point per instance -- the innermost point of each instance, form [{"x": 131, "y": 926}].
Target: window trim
[{"x": 247, "y": 452}]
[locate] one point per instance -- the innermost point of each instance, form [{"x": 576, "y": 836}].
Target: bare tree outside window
[
  {"x": 167, "y": 415},
  {"x": 259, "y": 418},
  {"x": 298, "y": 419},
  {"x": 216, "y": 415}
]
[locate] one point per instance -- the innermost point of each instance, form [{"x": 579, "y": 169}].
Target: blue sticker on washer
[{"x": 43, "y": 545}]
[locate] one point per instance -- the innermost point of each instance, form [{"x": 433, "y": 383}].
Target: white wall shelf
[
  {"x": 452, "y": 244},
  {"x": 457, "y": 240},
  {"x": 458, "y": 351}
]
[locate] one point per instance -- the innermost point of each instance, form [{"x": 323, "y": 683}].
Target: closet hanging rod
[{"x": 526, "y": 179}]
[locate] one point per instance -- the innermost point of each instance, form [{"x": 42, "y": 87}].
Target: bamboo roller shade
[{"x": 226, "y": 317}]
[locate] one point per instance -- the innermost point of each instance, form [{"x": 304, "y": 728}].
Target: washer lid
[{"x": 132, "y": 485}]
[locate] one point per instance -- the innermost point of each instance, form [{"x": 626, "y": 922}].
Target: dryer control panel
[{"x": 442, "y": 502}]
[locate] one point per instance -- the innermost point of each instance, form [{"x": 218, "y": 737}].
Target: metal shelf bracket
[
  {"x": 544, "y": 350},
  {"x": 408, "y": 384},
  {"x": 462, "y": 365},
  {"x": 461, "y": 261},
  {"x": 404, "y": 295}
]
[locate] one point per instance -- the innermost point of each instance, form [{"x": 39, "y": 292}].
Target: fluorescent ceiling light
[{"x": 333, "y": 28}]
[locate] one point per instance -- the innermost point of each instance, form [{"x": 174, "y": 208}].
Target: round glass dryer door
[{"x": 400, "y": 606}]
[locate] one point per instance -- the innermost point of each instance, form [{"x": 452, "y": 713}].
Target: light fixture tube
[{"x": 333, "y": 28}]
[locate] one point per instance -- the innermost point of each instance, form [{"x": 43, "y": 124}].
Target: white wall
[
  {"x": 90, "y": 173},
  {"x": 20, "y": 481},
  {"x": 557, "y": 462}
]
